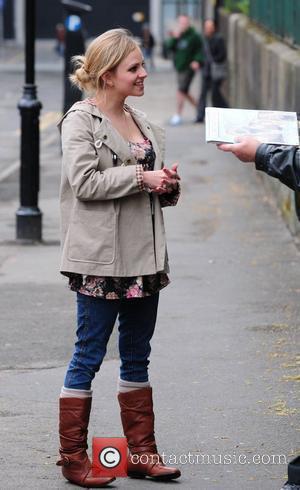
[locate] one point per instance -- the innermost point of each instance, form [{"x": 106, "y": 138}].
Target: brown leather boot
[
  {"x": 74, "y": 415},
  {"x": 138, "y": 425}
]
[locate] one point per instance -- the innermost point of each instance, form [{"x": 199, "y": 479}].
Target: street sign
[{"x": 73, "y": 23}]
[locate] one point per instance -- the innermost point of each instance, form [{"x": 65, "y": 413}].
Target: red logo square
[{"x": 110, "y": 456}]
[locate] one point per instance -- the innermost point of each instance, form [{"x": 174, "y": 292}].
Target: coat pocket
[{"x": 92, "y": 236}]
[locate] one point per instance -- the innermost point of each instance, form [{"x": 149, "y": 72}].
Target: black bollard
[
  {"x": 74, "y": 45},
  {"x": 29, "y": 217}
]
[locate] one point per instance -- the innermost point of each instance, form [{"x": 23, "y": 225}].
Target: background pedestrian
[
  {"x": 148, "y": 43},
  {"x": 186, "y": 46},
  {"x": 214, "y": 70},
  {"x": 60, "y": 32}
]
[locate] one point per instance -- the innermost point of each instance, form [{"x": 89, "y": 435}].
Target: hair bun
[{"x": 81, "y": 76}]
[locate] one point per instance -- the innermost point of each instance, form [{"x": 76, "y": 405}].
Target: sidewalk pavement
[
  {"x": 224, "y": 362},
  {"x": 46, "y": 58}
]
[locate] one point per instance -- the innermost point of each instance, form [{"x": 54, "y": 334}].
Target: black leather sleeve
[{"x": 281, "y": 162}]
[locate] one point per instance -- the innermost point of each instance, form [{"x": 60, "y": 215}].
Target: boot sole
[
  {"x": 141, "y": 476},
  {"x": 85, "y": 485}
]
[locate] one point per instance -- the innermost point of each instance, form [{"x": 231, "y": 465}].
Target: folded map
[{"x": 274, "y": 127}]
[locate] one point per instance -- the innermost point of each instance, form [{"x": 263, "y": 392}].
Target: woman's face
[{"x": 128, "y": 78}]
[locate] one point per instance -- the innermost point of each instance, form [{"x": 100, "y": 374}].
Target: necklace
[
  {"x": 125, "y": 128},
  {"x": 125, "y": 121}
]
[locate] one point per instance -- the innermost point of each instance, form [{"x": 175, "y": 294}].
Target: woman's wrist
[
  {"x": 145, "y": 177},
  {"x": 140, "y": 177}
]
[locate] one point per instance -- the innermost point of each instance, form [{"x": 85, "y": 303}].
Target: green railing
[
  {"x": 241, "y": 6},
  {"x": 282, "y": 17}
]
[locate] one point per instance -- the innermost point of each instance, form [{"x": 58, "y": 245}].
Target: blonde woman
[{"x": 114, "y": 184}]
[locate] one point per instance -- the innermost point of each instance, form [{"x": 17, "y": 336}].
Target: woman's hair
[{"x": 103, "y": 54}]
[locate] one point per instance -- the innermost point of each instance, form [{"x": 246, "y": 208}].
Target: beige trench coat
[{"x": 106, "y": 221}]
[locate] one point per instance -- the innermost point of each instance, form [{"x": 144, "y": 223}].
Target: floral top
[{"x": 124, "y": 287}]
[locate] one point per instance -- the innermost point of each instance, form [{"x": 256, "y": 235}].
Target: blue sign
[{"x": 73, "y": 23}]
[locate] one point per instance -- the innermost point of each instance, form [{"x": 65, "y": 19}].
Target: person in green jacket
[{"x": 186, "y": 45}]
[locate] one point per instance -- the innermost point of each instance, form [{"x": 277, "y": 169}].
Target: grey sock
[
  {"x": 125, "y": 386},
  {"x": 73, "y": 393}
]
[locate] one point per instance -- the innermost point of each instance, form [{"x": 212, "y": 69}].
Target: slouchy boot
[
  {"x": 74, "y": 417},
  {"x": 138, "y": 424}
]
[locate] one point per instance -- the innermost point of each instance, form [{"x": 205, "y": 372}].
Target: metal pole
[
  {"x": 1, "y": 23},
  {"x": 29, "y": 217},
  {"x": 74, "y": 44}
]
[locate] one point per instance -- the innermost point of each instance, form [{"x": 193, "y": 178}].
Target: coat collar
[{"x": 110, "y": 136}]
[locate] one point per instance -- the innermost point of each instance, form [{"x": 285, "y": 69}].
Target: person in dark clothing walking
[
  {"x": 213, "y": 71},
  {"x": 148, "y": 43}
]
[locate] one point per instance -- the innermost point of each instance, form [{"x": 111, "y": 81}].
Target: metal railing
[{"x": 282, "y": 17}]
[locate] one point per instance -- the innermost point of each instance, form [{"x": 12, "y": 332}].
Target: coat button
[
  {"x": 128, "y": 160},
  {"x": 105, "y": 137}
]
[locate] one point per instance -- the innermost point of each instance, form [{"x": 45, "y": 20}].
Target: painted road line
[
  {"x": 51, "y": 120},
  {"x": 9, "y": 170},
  {"x": 46, "y": 120}
]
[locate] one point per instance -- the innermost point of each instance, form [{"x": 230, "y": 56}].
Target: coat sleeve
[
  {"x": 80, "y": 162},
  {"x": 281, "y": 162},
  {"x": 170, "y": 199}
]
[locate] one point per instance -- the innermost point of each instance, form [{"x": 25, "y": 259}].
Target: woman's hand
[
  {"x": 245, "y": 148},
  {"x": 162, "y": 181}
]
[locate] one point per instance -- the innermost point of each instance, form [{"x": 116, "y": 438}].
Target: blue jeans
[{"x": 95, "y": 321}]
